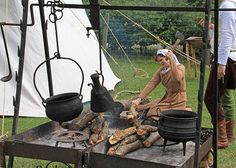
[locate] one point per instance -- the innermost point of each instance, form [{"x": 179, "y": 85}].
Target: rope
[
  {"x": 125, "y": 91},
  {"x": 145, "y": 74},
  {"x": 181, "y": 53},
  {"x": 112, "y": 58},
  {"x": 126, "y": 55},
  {"x": 117, "y": 41}
]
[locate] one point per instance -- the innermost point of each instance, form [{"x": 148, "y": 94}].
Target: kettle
[{"x": 101, "y": 100}]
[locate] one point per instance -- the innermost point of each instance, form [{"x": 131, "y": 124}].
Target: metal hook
[{"x": 9, "y": 76}]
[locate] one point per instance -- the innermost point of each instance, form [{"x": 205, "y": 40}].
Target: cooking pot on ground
[
  {"x": 62, "y": 107},
  {"x": 177, "y": 125}
]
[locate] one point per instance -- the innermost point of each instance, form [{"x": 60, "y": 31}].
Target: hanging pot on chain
[{"x": 62, "y": 107}]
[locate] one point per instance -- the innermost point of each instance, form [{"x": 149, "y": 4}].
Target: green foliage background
[{"x": 162, "y": 24}]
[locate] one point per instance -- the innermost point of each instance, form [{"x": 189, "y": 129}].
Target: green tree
[{"x": 162, "y": 24}]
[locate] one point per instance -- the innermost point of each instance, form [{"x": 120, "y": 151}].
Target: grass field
[{"x": 133, "y": 79}]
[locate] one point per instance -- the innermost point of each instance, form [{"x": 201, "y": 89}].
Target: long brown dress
[{"x": 175, "y": 85}]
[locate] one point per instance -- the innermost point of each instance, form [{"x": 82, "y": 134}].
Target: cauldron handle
[
  {"x": 82, "y": 73},
  {"x": 56, "y": 56},
  {"x": 34, "y": 75}
]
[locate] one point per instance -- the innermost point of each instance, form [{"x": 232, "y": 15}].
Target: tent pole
[
  {"x": 46, "y": 48},
  {"x": 215, "y": 69}
]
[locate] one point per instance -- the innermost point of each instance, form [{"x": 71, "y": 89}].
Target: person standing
[
  {"x": 226, "y": 68},
  {"x": 228, "y": 100}
]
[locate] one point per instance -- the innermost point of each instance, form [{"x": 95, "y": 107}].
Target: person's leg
[
  {"x": 209, "y": 97},
  {"x": 228, "y": 105},
  {"x": 209, "y": 102}
]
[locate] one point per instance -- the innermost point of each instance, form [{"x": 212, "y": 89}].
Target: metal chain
[
  {"x": 56, "y": 10},
  {"x": 55, "y": 15}
]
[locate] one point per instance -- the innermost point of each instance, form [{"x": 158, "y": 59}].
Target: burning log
[
  {"x": 126, "y": 104},
  {"x": 99, "y": 129},
  {"x": 93, "y": 139},
  {"x": 87, "y": 130},
  {"x": 91, "y": 123},
  {"x": 154, "y": 136},
  {"x": 124, "y": 114},
  {"x": 145, "y": 129},
  {"x": 121, "y": 134},
  {"x": 130, "y": 115},
  {"x": 133, "y": 114},
  {"x": 126, "y": 148},
  {"x": 97, "y": 124},
  {"x": 80, "y": 122},
  {"x": 104, "y": 132}
]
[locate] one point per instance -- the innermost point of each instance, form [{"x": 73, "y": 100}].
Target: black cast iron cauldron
[
  {"x": 62, "y": 107},
  {"x": 178, "y": 125}
]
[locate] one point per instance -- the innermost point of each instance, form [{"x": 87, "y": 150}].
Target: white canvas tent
[{"x": 73, "y": 43}]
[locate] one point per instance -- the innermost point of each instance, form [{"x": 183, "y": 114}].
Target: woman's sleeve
[
  {"x": 151, "y": 85},
  {"x": 178, "y": 72}
]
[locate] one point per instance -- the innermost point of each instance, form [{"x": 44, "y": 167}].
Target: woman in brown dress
[{"x": 172, "y": 76}]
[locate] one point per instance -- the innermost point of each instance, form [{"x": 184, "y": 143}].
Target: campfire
[
  {"x": 121, "y": 141},
  {"x": 93, "y": 124}
]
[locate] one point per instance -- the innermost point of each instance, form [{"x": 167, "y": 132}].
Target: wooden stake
[
  {"x": 195, "y": 64},
  {"x": 188, "y": 60}
]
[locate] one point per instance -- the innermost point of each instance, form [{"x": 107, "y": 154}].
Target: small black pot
[
  {"x": 63, "y": 107},
  {"x": 178, "y": 125}
]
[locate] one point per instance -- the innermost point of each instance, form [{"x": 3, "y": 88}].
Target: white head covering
[{"x": 164, "y": 52}]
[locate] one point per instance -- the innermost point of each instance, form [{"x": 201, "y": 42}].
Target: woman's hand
[
  {"x": 169, "y": 55},
  {"x": 221, "y": 71},
  {"x": 202, "y": 24},
  {"x": 136, "y": 102}
]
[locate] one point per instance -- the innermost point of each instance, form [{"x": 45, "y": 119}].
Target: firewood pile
[
  {"x": 132, "y": 138},
  {"x": 92, "y": 123},
  {"x": 121, "y": 141}
]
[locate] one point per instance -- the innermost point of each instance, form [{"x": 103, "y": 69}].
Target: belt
[{"x": 234, "y": 50}]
